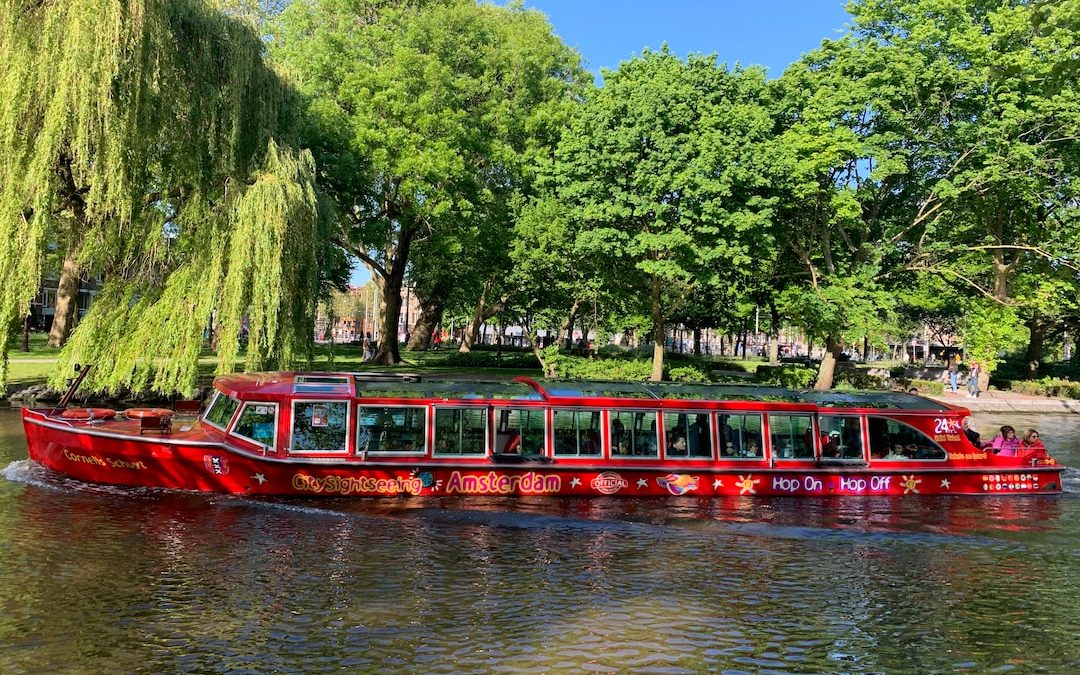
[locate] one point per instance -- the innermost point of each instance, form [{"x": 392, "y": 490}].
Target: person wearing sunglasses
[{"x": 1032, "y": 446}]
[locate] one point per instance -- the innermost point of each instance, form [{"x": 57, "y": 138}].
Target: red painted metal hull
[{"x": 201, "y": 460}]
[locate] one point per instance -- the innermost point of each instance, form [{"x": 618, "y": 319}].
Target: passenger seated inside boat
[
  {"x": 678, "y": 447},
  {"x": 897, "y": 452},
  {"x": 830, "y": 448},
  {"x": 622, "y": 447},
  {"x": 753, "y": 449}
]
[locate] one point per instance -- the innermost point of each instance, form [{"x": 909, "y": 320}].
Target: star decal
[
  {"x": 642, "y": 483},
  {"x": 260, "y": 478},
  {"x": 575, "y": 482},
  {"x": 717, "y": 484},
  {"x": 945, "y": 483}
]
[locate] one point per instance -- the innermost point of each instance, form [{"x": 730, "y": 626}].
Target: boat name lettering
[
  {"x": 84, "y": 459},
  {"x": 494, "y": 483},
  {"x": 808, "y": 483},
  {"x": 967, "y": 455},
  {"x": 347, "y": 485},
  {"x": 608, "y": 483}
]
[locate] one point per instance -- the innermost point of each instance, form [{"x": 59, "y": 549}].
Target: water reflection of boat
[{"x": 380, "y": 435}]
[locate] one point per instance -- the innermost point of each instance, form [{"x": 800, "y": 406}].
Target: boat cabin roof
[{"x": 265, "y": 386}]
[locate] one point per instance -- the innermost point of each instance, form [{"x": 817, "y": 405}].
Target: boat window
[
  {"x": 323, "y": 379},
  {"x": 841, "y": 437},
  {"x": 633, "y": 433},
  {"x": 258, "y": 422},
  {"x": 688, "y": 435},
  {"x": 893, "y": 440},
  {"x": 320, "y": 426},
  {"x": 520, "y": 431},
  {"x": 221, "y": 411},
  {"x": 577, "y": 432},
  {"x": 740, "y": 436},
  {"x": 391, "y": 429},
  {"x": 792, "y": 436},
  {"x": 461, "y": 431}
]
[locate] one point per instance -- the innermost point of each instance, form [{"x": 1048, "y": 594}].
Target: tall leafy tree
[
  {"x": 147, "y": 139},
  {"x": 664, "y": 166},
  {"x": 425, "y": 117}
]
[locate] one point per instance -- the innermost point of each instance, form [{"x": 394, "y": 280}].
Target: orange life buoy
[
  {"x": 88, "y": 414},
  {"x": 140, "y": 413}
]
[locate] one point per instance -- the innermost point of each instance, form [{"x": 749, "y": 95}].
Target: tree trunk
[
  {"x": 774, "y": 334},
  {"x": 866, "y": 348},
  {"x": 431, "y": 312},
  {"x": 566, "y": 332},
  {"x": 26, "y": 333},
  {"x": 697, "y": 342},
  {"x": 67, "y": 302},
  {"x": 482, "y": 314},
  {"x": 828, "y": 364},
  {"x": 1035, "y": 344},
  {"x": 658, "y": 332},
  {"x": 387, "y": 353}
]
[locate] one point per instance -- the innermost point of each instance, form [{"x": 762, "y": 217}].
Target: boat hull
[{"x": 89, "y": 455}]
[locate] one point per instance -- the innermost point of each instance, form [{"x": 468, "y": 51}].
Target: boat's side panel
[{"x": 156, "y": 462}]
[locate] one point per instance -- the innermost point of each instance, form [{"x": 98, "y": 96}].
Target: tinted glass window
[
  {"x": 222, "y": 410},
  {"x": 258, "y": 422},
  {"x": 390, "y": 429},
  {"x": 320, "y": 426},
  {"x": 740, "y": 436},
  {"x": 896, "y": 441},
  {"x": 520, "y": 431},
  {"x": 791, "y": 436},
  {"x": 688, "y": 435},
  {"x": 841, "y": 437},
  {"x": 633, "y": 434},
  {"x": 460, "y": 431},
  {"x": 577, "y": 432}
]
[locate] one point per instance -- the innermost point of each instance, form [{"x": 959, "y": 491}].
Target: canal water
[{"x": 96, "y": 579}]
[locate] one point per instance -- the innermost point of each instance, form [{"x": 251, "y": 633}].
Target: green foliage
[
  {"x": 787, "y": 375},
  {"x": 1048, "y": 386},
  {"x": 992, "y": 330},
  {"x": 856, "y": 378},
  {"x": 932, "y": 388},
  {"x": 131, "y": 132},
  {"x": 580, "y": 368},
  {"x": 688, "y": 373},
  {"x": 490, "y": 359}
]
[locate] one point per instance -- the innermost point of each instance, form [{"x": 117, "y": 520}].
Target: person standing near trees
[
  {"x": 954, "y": 373},
  {"x": 973, "y": 379}
]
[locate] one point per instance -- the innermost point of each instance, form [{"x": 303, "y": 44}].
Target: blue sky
[{"x": 770, "y": 33}]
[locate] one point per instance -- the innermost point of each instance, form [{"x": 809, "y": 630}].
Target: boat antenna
[{"x": 73, "y": 386}]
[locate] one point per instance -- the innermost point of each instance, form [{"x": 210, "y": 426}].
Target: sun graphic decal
[
  {"x": 910, "y": 483},
  {"x": 746, "y": 484}
]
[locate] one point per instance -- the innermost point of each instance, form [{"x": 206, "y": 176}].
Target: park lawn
[
  {"x": 34, "y": 367},
  {"x": 38, "y": 348}
]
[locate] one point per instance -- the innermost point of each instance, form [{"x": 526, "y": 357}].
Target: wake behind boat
[{"x": 357, "y": 434}]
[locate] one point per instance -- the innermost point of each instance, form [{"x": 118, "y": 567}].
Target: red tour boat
[{"x": 342, "y": 434}]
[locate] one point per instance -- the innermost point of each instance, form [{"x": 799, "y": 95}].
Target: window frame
[
  {"x": 813, "y": 435},
  {"x": 548, "y": 429},
  {"x": 422, "y": 451},
  {"x": 240, "y": 413},
  {"x": 713, "y": 434},
  {"x": 228, "y": 425},
  {"x": 862, "y": 458},
  {"x": 292, "y": 426},
  {"x": 944, "y": 453},
  {"x": 599, "y": 454},
  {"x": 486, "y": 410},
  {"x": 658, "y": 433},
  {"x": 761, "y": 415}
]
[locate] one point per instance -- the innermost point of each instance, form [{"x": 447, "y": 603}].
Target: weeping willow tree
[{"x": 147, "y": 141}]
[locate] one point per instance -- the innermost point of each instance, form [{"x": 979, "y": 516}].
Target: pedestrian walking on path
[{"x": 973, "y": 380}]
